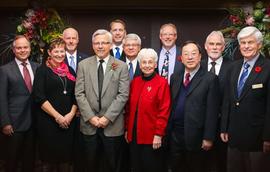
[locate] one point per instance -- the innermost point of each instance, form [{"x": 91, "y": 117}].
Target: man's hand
[
  {"x": 8, "y": 130},
  {"x": 103, "y": 121},
  {"x": 224, "y": 137},
  {"x": 157, "y": 142},
  {"x": 95, "y": 121},
  {"x": 207, "y": 145}
]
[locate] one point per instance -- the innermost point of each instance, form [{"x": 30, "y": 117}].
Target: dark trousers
[
  {"x": 182, "y": 160},
  {"x": 239, "y": 161},
  {"x": 78, "y": 156},
  {"x": 144, "y": 158},
  {"x": 20, "y": 146},
  {"x": 104, "y": 154}
]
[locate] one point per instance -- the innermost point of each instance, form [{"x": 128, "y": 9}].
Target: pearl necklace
[{"x": 64, "y": 84}]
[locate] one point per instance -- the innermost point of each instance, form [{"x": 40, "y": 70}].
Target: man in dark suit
[
  {"x": 193, "y": 120},
  {"x": 118, "y": 31},
  {"x": 16, "y": 106},
  {"x": 245, "y": 112},
  {"x": 72, "y": 59},
  {"x": 132, "y": 46},
  {"x": 215, "y": 63},
  {"x": 102, "y": 89},
  {"x": 169, "y": 54}
]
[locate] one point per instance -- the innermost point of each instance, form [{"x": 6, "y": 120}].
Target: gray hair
[
  {"x": 167, "y": 24},
  {"x": 250, "y": 31},
  {"x": 102, "y": 32},
  {"x": 147, "y": 52},
  {"x": 132, "y": 36},
  {"x": 218, "y": 33}
]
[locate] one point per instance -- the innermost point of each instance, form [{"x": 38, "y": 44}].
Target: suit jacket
[
  {"x": 222, "y": 76},
  {"x": 80, "y": 57},
  {"x": 247, "y": 119},
  {"x": 15, "y": 99},
  {"x": 122, "y": 57},
  {"x": 114, "y": 94},
  {"x": 201, "y": 107},
  {"x": 138, "y": 71}
]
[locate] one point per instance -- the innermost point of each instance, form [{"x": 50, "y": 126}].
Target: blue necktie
[
  {"x": 131, "y": 74},
  {"x": 117, "y": 54},
  {"x": 242, "y": 79},
  {"x": 165, "y": 67},
  {"x": 72, "y": 63}
]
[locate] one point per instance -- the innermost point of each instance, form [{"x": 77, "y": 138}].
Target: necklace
[{"x": 64, "y": 84}]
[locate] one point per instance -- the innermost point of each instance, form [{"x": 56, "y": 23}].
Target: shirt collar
[
  {"x": 74, "y": 54},
  {"x": 218, "y": 61},
  {"x": 20, "y": 62}
]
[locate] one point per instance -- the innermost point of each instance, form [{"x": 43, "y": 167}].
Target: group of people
[{"x": 131, "y": 109}]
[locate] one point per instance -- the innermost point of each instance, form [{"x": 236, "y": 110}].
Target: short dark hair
[
  {"x": 56, "y": 42},
  {"x": 118, "y": 21},
  {"x": 192, "y": 42}
]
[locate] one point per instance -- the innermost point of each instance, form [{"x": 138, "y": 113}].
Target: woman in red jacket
[{"x": 147, "y": 115}]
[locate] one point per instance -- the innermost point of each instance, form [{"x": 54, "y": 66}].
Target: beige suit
[{"x": 114, "y": 95}]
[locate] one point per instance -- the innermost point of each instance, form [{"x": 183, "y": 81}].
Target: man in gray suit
[
  {"x": 102, "y": 89},
  {"x": 16, "y": 106}
]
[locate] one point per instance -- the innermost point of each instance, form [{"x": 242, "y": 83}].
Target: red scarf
[{"x": 61, "y": 69}]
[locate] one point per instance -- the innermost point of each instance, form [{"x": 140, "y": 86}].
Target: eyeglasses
[
  {"x": 131, "y": 45},
  {"x": 100, "y": 43},
  {"x": 168, "y": 34}
]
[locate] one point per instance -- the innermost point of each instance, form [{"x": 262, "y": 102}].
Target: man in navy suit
[
  {"x": 168, "y": 36},
  {"x": 73, "y": 57},
  {"x": 16, "y": 107},
  {"x": 118, "y": 31},
  {"x": 193, "y": 121},
  {"x": 246, "y": 107},
  {"x": 217, "y": 64},
  {"x": 132, "y": 46}
]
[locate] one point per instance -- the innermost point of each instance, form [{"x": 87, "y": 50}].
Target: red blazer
[{"x": 152, "y": 101}]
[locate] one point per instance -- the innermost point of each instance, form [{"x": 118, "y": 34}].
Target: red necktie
[
  {"x": 26, "y": 76},
  {"x": 187, "y": 81}
]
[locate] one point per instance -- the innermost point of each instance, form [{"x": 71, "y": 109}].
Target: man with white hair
[{"x": 246, "y": 107}]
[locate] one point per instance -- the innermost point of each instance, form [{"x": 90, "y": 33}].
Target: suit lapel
[
  {"x": 252, "y": 76},
  {"x": 195, "y": 81},
  {"x": 177, "y": 84},
  {"x": 235, "y": 76},
  {"x": 93, "y": 73},
  {"x": 18, "y": 74},
  {"x": 108, "y": 75}
]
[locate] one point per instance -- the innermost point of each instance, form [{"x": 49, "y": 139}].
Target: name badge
[{"x": 256, "y": 86}]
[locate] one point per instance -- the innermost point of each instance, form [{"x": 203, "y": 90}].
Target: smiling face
[
  {"x": 131, "y": 48},
  {"x": 168, "y": 36},
  {"x": 102, "y": 45},
  {"x": 191, "y": 56},
  {"x": 57, "y": 54},
  {"x": 249, "y": 47},
  {"x": 21, "y": 48},
  {"x": 71, "y": 38},
  {"x": 214, "y": 47},
  {"x": 148, "y": 65},
  {"x": 118, "y": 32}
]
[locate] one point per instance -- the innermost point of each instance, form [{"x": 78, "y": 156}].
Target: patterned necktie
[
  {"x": 130, "y": 70},
  {"x": 117, "y": 54},
  {"x": 165, "y": 67},
  {"x": 242, "y": 79},
  {"x": 100, "y": 81},
  {"x": 26, "y": 77},
  {"x": 213, "y": 70},
  {"x": 72, "y": 63},
  {"x": 187, "y": 81}
]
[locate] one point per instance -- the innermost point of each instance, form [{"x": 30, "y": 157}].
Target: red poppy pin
[
  {"x": 179, "y": 58},
  {"x": 114, "y": 66},
  {"x": 258, "y": 69}
]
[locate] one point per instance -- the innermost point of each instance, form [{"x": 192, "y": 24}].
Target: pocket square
[{"x": 256, "y": 86}]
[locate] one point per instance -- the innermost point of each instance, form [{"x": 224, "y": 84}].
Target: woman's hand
[
  {"x": 62, "y": 122},
  {"x": 157, "y": 142}
]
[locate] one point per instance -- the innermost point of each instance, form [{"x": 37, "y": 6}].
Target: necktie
[
  {"x": 213, "y": 70},
  {"x": 117, "y": 54},
  {"x": 242, "y": 79},
  {"x": 130, "y": 70},
  {"x": 187, "y": 81},
  {"x": 26, "y": 77},
  {"x": 165, "y": 67},
  {"x": 72, "y": 63},
  {"x": 100, "y": 81}
]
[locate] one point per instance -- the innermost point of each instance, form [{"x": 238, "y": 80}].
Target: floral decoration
[
  {"x": 114, "y": 66},
  {"x": 258, "y": 69},
  {"x": 40, "y": 25},
  {"x": 257, "y": 15}
]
